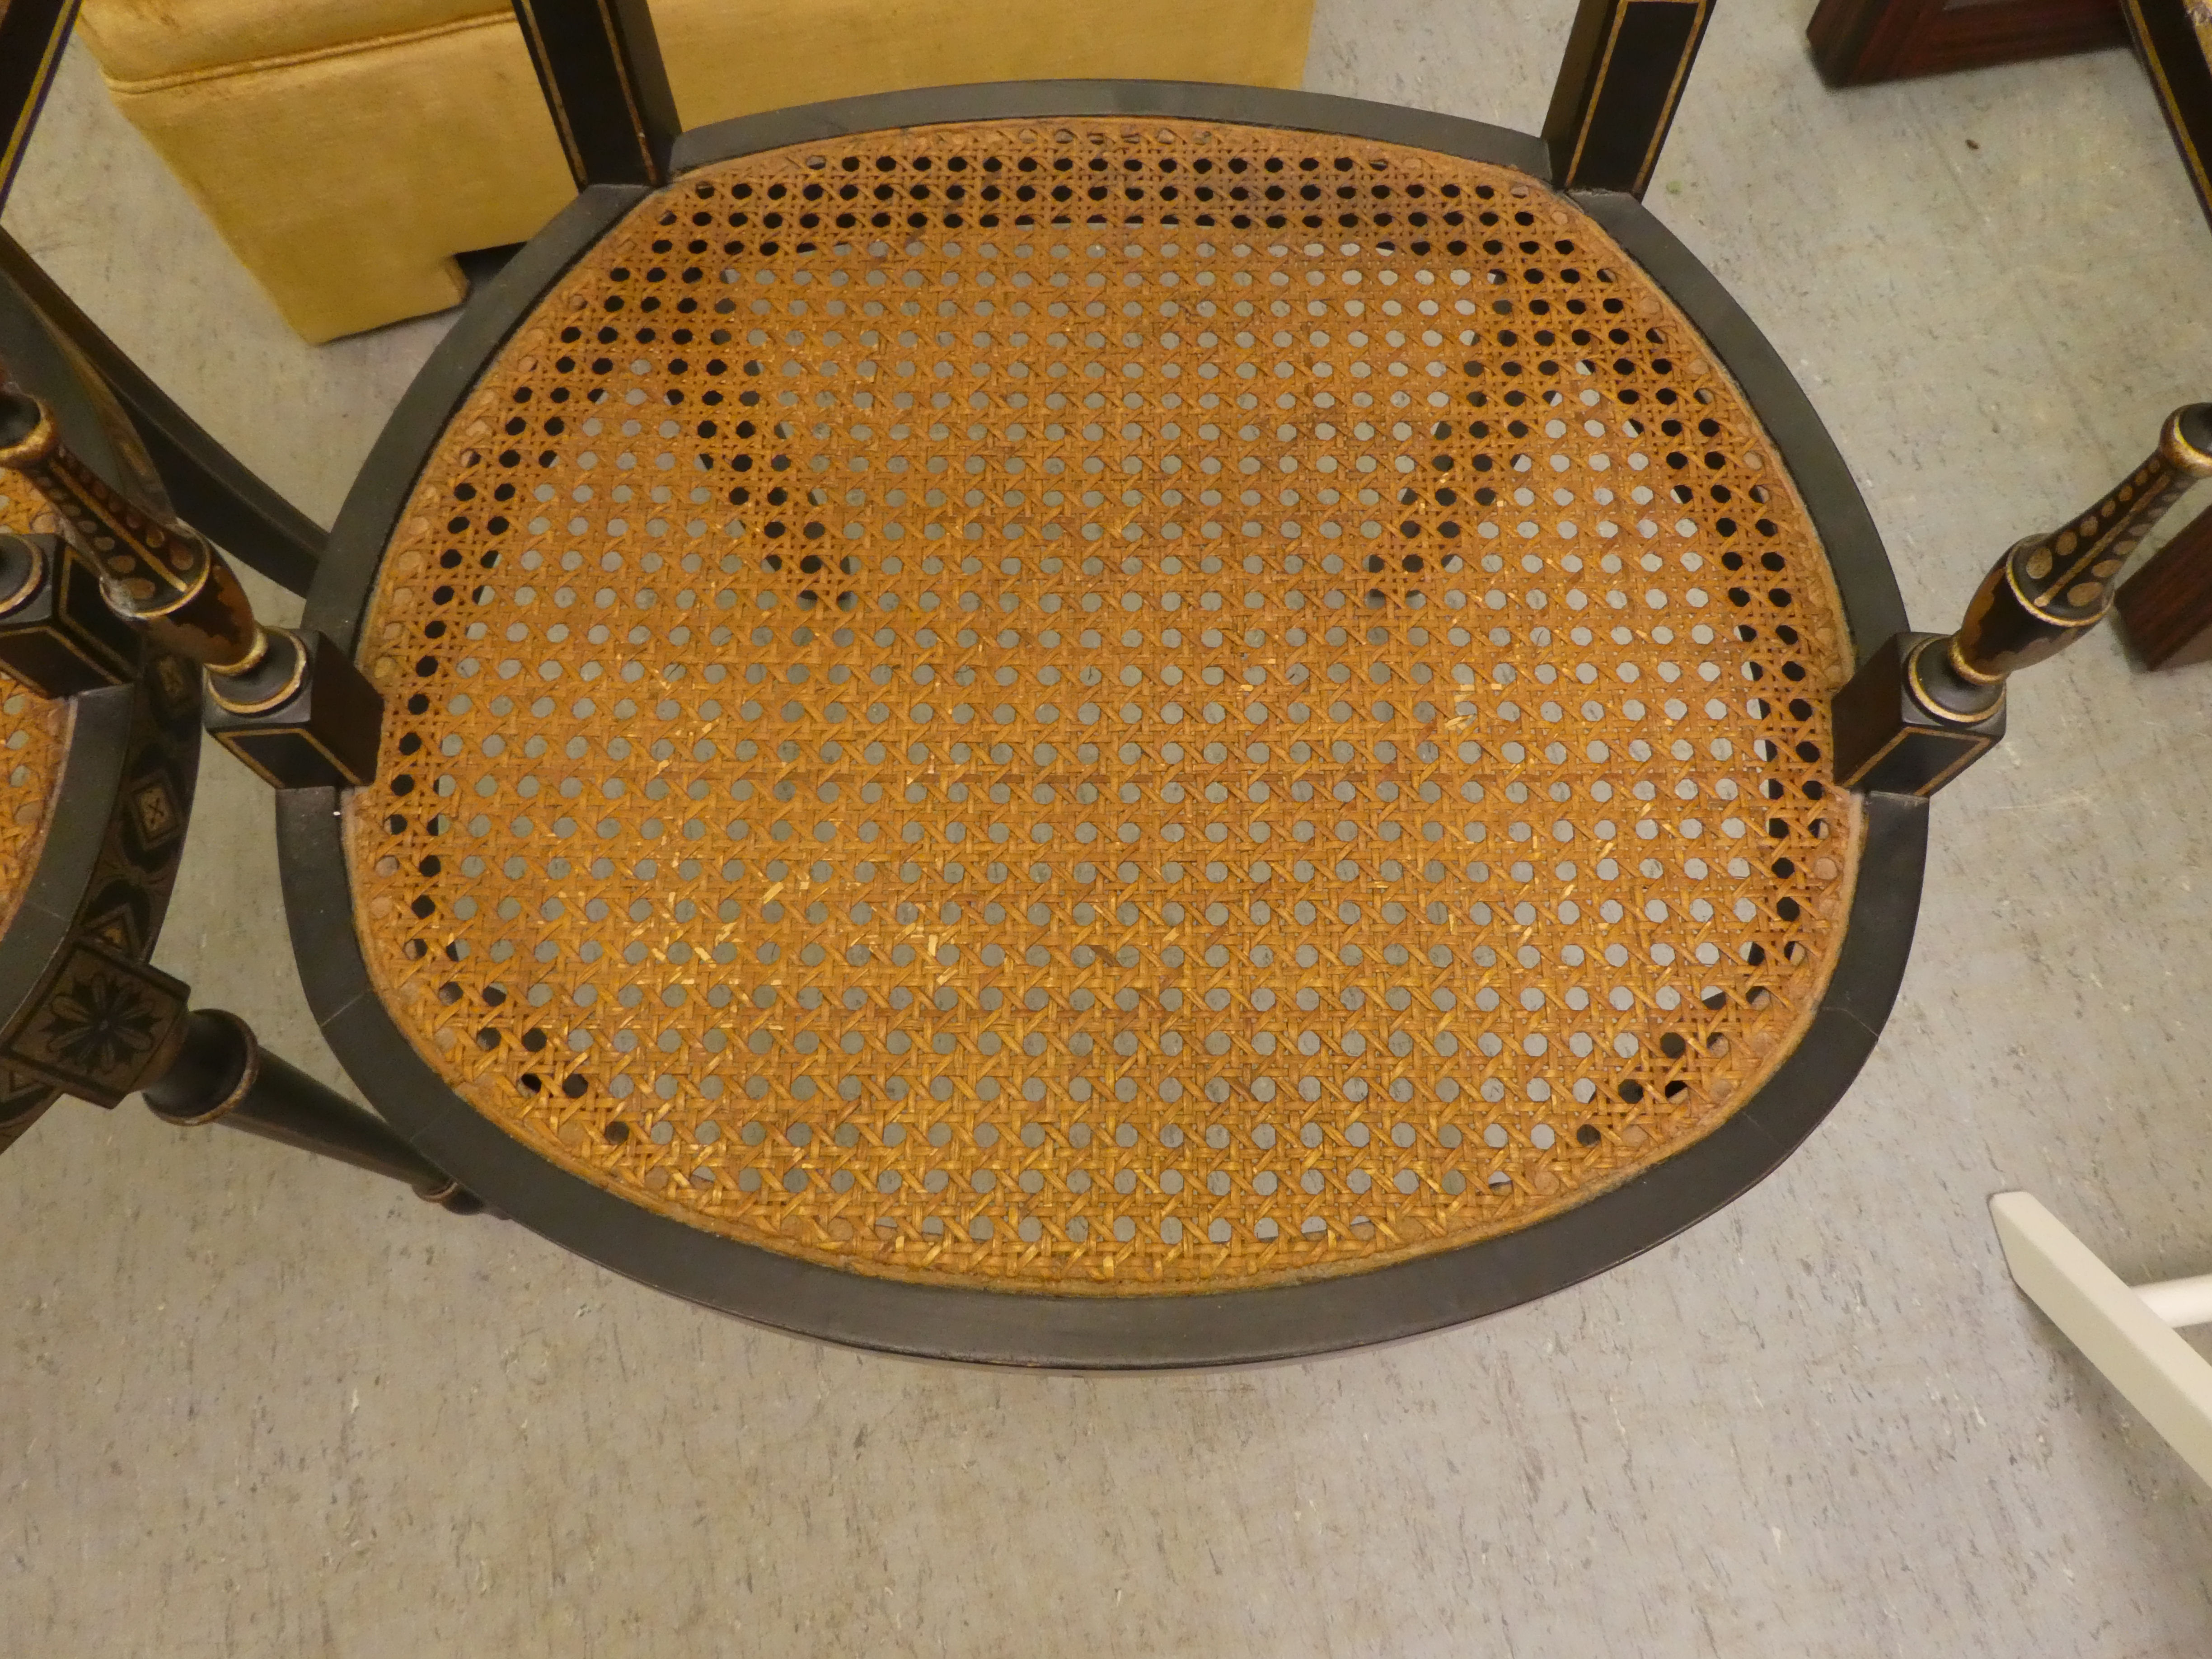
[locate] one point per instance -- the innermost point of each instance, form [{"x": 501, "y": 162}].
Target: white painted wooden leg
[
  {"x": 2158, "y": 1373},
  {"x": 2180, "y": 1302}
]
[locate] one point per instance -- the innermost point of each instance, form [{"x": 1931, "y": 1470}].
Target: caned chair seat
[
  {"x": 1105, "y": 706},
  {"x": 1105, "y": 724}
]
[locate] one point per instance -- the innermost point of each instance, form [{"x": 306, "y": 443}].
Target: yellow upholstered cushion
[
  {"x": 345, "y": 174},
  {"x": 733, "y": 57},
  {"x": 148, "y": 39}
]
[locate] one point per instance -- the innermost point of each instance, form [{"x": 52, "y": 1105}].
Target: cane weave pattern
[
  {"x": 1103, "y": 709},
  {"x": 33, "y": 733}
]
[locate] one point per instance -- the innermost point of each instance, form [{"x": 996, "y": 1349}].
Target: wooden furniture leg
[
  {"x": 1924, "y": 707},
  {"x": 221, "y": 1074},
  {"x": 1856, "y": 42},
  {"x": 2126, "y": 1333},
  {"x": 2165, "y": 607}
]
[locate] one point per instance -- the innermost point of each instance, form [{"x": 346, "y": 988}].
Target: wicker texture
[
  {"x": 1100, "y": 709},
  {"x": 35, "y": 732}
]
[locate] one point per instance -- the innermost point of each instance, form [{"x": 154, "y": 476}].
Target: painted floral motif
[{"x": 101, "y": 1023}]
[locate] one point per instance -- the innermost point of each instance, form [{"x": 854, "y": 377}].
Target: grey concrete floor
[{"x": 253, "y": 1404}]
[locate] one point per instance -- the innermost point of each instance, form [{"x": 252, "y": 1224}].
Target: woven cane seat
[
  {"x": 34, "y": 737},
  {"x": 1106, "y": 706}
]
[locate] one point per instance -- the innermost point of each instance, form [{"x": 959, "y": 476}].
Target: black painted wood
[
  {"x": 73, "y": 956},
  {"x": 88, "y": 795},
  {"x": 221, "y": 1074},
  {"x": 1883, "y": 741},
  {"x": 303, "y": 717},
  {"x": 32, "y": 35},
  {"x": 58, "y": 635},
  {"x": 599, "y": 64},
  {"x": 2179, "y": 55},
  {"x": 85, "y": 799},
  {"x": 1626, "y": 65},
  {"x": 203, "y": 482},
  {"x": 1094, "y": 1332}
]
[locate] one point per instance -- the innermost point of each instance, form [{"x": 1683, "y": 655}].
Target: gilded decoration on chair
[
  {"x": 1102, "y": 707},
  {"x": 99, "y": 1013},
  {"x": 100, "y": 1025}
]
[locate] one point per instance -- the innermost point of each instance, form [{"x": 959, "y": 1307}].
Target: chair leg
[
  {"x": 2117, "y": 1330},
  {"x": 221, "y": 1074},
  {"x": 2165, "y": 607}
]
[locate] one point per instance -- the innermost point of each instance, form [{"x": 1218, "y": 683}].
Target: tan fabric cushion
[
  {"x": 343, "y": 176},
  {"x": 730, "y": 58},
  {"x": 146, "y": 39},
  {"x": 344, "y": 180}
]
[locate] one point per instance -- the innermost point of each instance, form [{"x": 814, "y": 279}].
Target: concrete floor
[{"x": 253, "y": 1404}]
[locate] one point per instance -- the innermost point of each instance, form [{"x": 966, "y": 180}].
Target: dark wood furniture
[
  {"x": 1928, "y": 706},
  {"x": 104, "y": 729},
  {"x": 2174, "y": 39},
  {"x": 1857, "y": 42},
  {"x": 2165, "y": 607}
]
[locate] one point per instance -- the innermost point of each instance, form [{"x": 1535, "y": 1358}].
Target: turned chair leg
[
  {"x": 1925, "y": 707},
  {"x": 221, "y": 1074}
]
